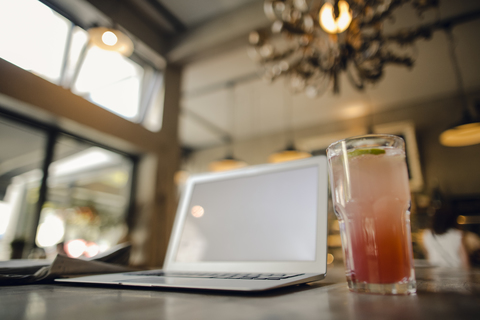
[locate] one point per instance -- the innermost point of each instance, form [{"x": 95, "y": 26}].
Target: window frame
[
  {"x": 153, "y": 73},
  {"x": 52, "y": 133}
]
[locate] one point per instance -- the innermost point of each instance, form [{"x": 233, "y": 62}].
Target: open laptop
[{"x": 251, "y": 229}]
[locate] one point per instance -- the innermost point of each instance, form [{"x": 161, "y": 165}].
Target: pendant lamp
[
  {"x": 467, "y": 132},
  {"x": 111, "y": 39},
  {"x": 288, "y": 154},
  {"x": 226, "y": 164}
]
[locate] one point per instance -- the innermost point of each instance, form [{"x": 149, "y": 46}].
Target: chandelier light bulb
[
  {"x": 109, "y": 38},
  {"x": 329, "y": 23}
]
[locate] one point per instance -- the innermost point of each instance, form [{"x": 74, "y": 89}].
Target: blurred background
[{"x": 106, "y": 107}]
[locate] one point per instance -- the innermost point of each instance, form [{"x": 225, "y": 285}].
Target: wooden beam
[{"x": 67, "y": 107}]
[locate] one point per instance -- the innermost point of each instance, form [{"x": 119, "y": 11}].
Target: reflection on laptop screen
[{"x": 267, "y": 217}]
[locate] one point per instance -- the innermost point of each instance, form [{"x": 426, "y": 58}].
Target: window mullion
[
  {"x": 66, "y": 54},
  {"x": 42, "y": 193}
]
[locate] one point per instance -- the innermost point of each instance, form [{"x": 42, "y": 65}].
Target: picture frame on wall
[{"x": 406, "y": 130}]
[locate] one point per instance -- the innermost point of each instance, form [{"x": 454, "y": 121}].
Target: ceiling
[
  {"x": 260, "y": 108},
  {"x": 191, "y": 13},
  {"x": 209, "y": 38}
]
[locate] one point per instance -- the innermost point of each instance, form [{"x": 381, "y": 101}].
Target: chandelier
[{"x": 312, "y": 42}]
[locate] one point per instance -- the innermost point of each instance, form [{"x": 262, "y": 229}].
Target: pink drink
[{"x": 372, "y": 199}]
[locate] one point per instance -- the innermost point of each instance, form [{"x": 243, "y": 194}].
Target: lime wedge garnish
[{"x": 359, "y": 152}]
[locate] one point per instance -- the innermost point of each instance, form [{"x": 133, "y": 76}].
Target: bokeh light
[{"x": 75, "y": 248}]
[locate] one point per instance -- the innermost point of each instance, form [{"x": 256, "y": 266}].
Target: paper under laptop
[{"x": 251, "y": 229}]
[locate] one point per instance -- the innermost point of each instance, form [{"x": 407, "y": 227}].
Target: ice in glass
[{"x": 371, "y": 198}]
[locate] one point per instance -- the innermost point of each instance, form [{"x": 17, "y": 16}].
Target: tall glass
[{"x": 371, "y": 198}]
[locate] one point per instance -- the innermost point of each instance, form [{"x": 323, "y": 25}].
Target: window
[
  {"x": 33, "y": 37},
  {"x": 37, "y": 39},
  {"x": 87, "y": 201},
  {"x": 87, "y": 198},
  {"x": 111, "y": 81},
  {"x": 20, "y": 175}
]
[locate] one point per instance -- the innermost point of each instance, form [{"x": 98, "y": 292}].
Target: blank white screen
[{"x": 267, "y": 217}]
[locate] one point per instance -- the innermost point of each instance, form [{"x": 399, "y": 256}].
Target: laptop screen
[{"x": 266, "y": 217}]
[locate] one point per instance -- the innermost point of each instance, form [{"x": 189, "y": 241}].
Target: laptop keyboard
[{"x": 210, "y": 275}]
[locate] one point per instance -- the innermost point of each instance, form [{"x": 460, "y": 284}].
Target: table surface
[{"x": 442, "y": 294}]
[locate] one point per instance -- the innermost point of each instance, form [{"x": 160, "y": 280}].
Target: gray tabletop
[{"x": 442, "y": 294}]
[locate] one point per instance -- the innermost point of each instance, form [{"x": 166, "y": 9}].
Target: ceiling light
[
  {"x": 289, "y": 154},
  {"x": 111, "y": 40},
  {"x": 226, "y": 164},
  {"x": 353, "y": 111},
  {"x": 333, "y": 24},
  {"x": 312, "y": 42},
  {"x": 467, "y": 132}
]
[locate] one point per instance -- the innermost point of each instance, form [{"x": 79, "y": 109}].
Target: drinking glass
[{"x": 371, "y": 197}]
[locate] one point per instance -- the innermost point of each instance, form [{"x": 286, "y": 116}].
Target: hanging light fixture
[
  {"x": 226, "y": 164},
  {"x": 322, "y": 38},
  {"x": 467, "y": 132},
  {"x": 290, "y": 153},
  {"x": 111, "y": 39},
  {"x": 229, "y": 162},
  {"x": 332, "y": 23}
]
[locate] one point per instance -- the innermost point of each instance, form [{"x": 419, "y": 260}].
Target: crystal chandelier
[{"x": 312, "y": 42}]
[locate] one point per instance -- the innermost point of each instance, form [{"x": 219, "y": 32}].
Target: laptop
[{"x": 251, "y": 229}]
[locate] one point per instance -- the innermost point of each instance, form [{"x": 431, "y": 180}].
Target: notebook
[{"x": 252, "y": 229}]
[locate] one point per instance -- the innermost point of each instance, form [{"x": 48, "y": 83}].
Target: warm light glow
[
  {"x": 288, "y": 155},
  {"x": 91, "y": 250},
  {"x": 468, "y": 219},
  {"x": 354, "y": 111},
  {"x": 460, "y": 136},
  {"x": 332, "y": 25},
  {"x": 330, "y": 258},
  {"x": 461, "y": 219},
  {"x": 226, "y": 165},
  {"x": 109, "y": 38},
  {"x": 181, "y": 177},
  {"x": 118, "y": 178},
  {"x": 198, "y": 211},
  {"x": 50, "y": 232},
  {"x": 334, "y": 240},
  {"x": 75, "y": 248},
  {"x": 335, "y": 225}
]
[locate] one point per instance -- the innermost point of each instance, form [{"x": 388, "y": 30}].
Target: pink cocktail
[{"x": 371, "y": 197}]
